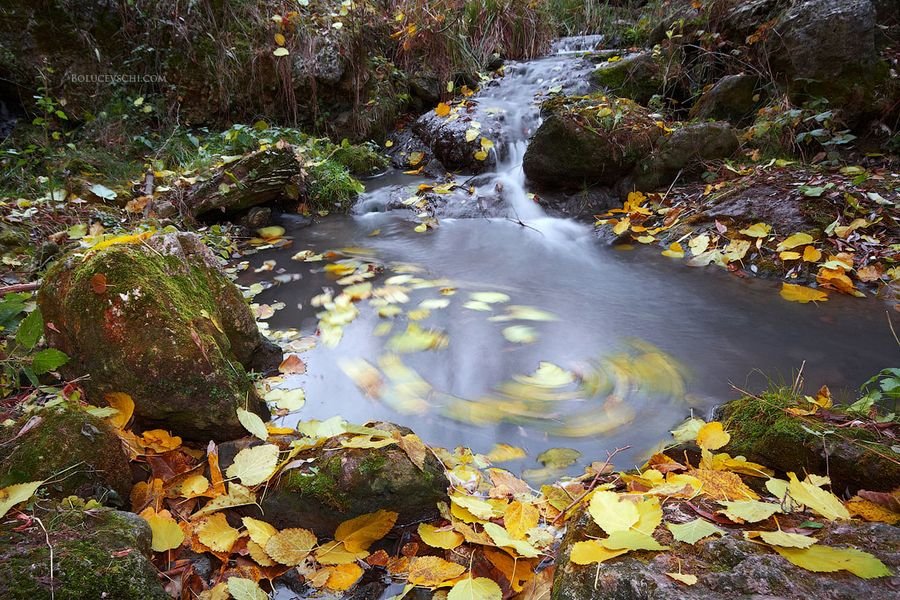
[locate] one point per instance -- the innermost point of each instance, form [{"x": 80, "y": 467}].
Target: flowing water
[{"x": 631, "y": 342}]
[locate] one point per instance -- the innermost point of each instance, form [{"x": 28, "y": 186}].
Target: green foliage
[
  {"x": 884, "y": 387},
  {"x": 782, "y": 128},
  {"x": 22, "y": 326}
]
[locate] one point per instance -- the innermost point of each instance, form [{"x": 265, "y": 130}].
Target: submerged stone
[
  {"x": 97, "y": 553},
  {"x": 159, "y": 321}
]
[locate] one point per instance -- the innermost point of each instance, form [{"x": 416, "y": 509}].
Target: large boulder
[
  {"x": 854, "y": 457},
  {"x": 729, "y": 566},
  {"x": 446, "y": 139},
  {"x": 684, "y": 152},
  {"x": 827, "y": 48},
  {"x": 76, "y": 453},
  {"x": 337, "y": 483},
  {"x": 96, "y": 553},
  {"x": 158, "y": 320},
  {"x": 638, "y": 76},
  {"x": 575, "y": 147},
  {"x": 733, "y": 98}
]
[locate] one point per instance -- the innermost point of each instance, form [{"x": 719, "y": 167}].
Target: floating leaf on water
[
  {"x": 559, "y": 458},
  {"x": 416, "y": 339},
  {"x": 517, "y": 312},
  {"x": 802, "y": 294},
  {"x": 287, "y": 399},
  {"x": 520, "y": 334},
  {"x": 547, "y": 375},
  {"x": 480, "y": 306},
  {"x": 675, "y": 250},
  {"x": 504, "y": 453},
  {"x": 489, "y": 297}
]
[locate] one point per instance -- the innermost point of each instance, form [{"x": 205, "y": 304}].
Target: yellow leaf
[
  {"x": 868, "y": 510},
  {"x": 472, "y": 134},
  {"x": 167, "y": 535},
  {"x": 798, "y": 239},
  {"x": 757, "y": 230},
  {"x": 685, "y": 578},
  {"x": 592, "y": 552},
  {"x": 342, "y": 577},
  {"x": 693, "y": 531},
  {"x": 749, "y": 511},
  {"x": 253, "y": 423},
  {"x": 650, "y": 515},
  {"x": 433, "y": 571},
  {"x": 124, "y": 404},
  {"x": 612, "y": 512},
  {"x": 361, "y": 532},
  {"x": 504, "y": 452},
  {"x": 631, "y": 540},
  {"x": 788, "y": 255},
  {"x": 259, "y": 531},
  {"x": 736, "y": 250},
  {"x": 254, "y": 465},
  {"x": 520, "y": 517},
  {"x": 699, "y": 244},
  {"x": 237, "y": 495},
  {"x": 280, "y": 51},
  {"x": 245, "y": 589},
  {"x": 279, "y": 39},
  {"x": 675, "y": 251},
  {"x": 193, "y": 486},
  {"x": 160, "y": 440},
  {"x": 825, "y": 559},
  {"x": 270, "y": 233},
  {"x": 812, "y": 254},
  {"x": 415, "y": 158},
  {"x": 802, "y": 294},
  {"x": 622, "y": 226},
  {"x": 486, "y": 144},
  {"x": 784, "y": 539},
  {"x": 123, "y": 239},
  {"x": 442, "y": 109},
  {"x": 722, "y": 485},
  {"x": 335, "y": 553},
  {"x": 481, "y": 155},
  {"x": 258, "y": 554},
  {"x": 291, "y": 546},
  {"x": 414, "y": 448},
  {"x": 216, "y": 534},
  {"x": 478, "y": 507},
  {"x": 502, "y": 538},
  {"x": 443, "y": 538},
  {"x": 815, "y": 498},
  {"x": 479, "y": 588},
  {"x": 712, "y": 436}
]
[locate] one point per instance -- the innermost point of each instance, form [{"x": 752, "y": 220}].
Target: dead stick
[{"x": 20, "y": 287}]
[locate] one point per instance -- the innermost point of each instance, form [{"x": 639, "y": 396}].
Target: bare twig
[
  {"x": 50, "y": 546},
  {"x": 20, "y": 287}
]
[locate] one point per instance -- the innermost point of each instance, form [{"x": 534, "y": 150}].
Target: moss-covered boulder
[
  {"x": 97, "y": 553},
  {"x": 763, "y": 432},
  {"x": 637, "y": 76},
  {"x": 340, "y": 483},
  {"x": 729, "y": 566},
  {"x": 588, "y": 141},
  {"x": 158, "y": 320},
  {"x": 733, "y": 98},
  {"x": 684, "y": 152},
  {"x": 77, "y": 454}
]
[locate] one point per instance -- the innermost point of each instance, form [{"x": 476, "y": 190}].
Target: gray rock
[
  {"x": 684, "y": 151},
  {"x": 742, "y": 17},
  {"x": 727, "y": 567},
  {"x": 325, "y": 63},
  {"x": 446, "y": 139},
  {"x": 732, "y": 98}
]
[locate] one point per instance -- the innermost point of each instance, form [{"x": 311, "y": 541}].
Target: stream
[{"x": 568, "y": 342}]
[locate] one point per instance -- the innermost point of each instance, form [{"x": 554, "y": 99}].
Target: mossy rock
[
  {"x": 733, "y": 98},
  {"x": 763, "y": 432},
  {"x": 727, "y": 566},
  {"x": 574, "y": 149},
  {"x": 636, "y": 76},
  {"x": 362, "y": 160},
  {"x": 97, "y": 554},
  {"x": 684, "y": 152},
  {"x": 79, "y": 454},
  {"x": 342, "y": 483},
  {"x": 163, "y": 325}
]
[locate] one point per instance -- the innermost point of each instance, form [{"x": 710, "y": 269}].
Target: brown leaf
[
  {"x": 292, "y": 365},
  {"x": 98, "y": 284}
]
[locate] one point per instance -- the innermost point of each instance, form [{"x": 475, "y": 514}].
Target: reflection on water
[{"x": 608, "y": 348}]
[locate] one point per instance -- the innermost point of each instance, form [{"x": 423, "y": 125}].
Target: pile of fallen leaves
[
  {"x": 858, "y": 245},
  {"x": 496, "y": 537}
]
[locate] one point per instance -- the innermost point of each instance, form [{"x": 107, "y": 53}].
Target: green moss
[
  {"x": 372, "y": 464},
  {"x": 361, "y": 160},
  {"x": 79, "y": 453},
  {"x": 323, "y": 484},
  {"x": 331, "y": 186}
]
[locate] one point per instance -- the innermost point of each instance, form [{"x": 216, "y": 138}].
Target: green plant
[
  {"x": 22, "y": 324},
  {"x": 884, "y": 387}
]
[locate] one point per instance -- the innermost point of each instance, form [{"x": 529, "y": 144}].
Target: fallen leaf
[
  {"x": 252, "y": 466},
  {"x": 444, "y": 538},
  {"x": 124, "y": 406},
  {"x": 167, "y": 535},
  {"x": 291, "y": 546},
  {"x": 712, "y": 436},
  {"x": 479, "y": 588},
  {"x": 826, "y": 559},
  {"x": 685, "y": 578},
  {"x": 361, "y": 532},
  {"x": 253, "y": 423},
  {"x": 802, "y": 294},
  {"x": 693, "y": 531},
  {"x": 433, "y": 571},
  {"x": 592, "y": 552},
  {"x": 215, "y": 533}
]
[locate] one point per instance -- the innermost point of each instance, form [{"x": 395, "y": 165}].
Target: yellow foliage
[
  {"x": 216, "y": 534},
  {"x": 433, "y": 571},
  {"x": 712, "y": 436},
  {"x": 361, "y": 532},
  {"x": 291, "y": 546},
  {"x": 124, "y": 405},
  {"x": 443, "y": 538}
]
